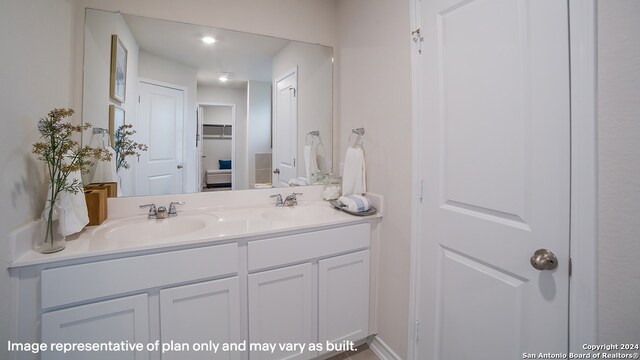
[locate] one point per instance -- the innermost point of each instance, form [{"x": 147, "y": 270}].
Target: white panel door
[
  {"x": 285, "y": 128},
  {"x": 160, "y": 126},
  {"x": 343, "y": 291},
  {"x": 495, "y": 162},
  {"x": 199, "y": 313},
  {"x": 119, "y": 320},
  {"x": 280, "y": 311}
]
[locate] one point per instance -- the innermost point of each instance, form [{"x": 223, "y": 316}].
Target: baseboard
[{"x": 381, "y": 349}]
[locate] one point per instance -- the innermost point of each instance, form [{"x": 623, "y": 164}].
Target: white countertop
[{"x": 207, "y": 225}]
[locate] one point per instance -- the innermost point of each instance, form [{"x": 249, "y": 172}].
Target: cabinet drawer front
[
  {"x": 75, "y": 283},
  {"x": 295, "y": 248}
]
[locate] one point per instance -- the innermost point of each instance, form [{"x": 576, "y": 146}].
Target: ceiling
[{"x": 246, "y": 56}]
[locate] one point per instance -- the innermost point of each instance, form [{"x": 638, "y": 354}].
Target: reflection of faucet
[
  {"x": 153, "y": 213},
  {"x": 292, "y": 200},
  {"x": 278, "y": 199}
]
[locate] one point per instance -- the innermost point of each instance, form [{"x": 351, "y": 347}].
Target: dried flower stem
[{"x": 63, "y": 155}]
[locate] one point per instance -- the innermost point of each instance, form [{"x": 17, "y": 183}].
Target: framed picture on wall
[
  {"x": 118, "y": 79},
  {"x": 116, "y": 119}
]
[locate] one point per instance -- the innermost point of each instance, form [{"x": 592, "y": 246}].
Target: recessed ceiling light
[
  {"x": 223, "y": 78},
  {"x": 208, "y": 40}
]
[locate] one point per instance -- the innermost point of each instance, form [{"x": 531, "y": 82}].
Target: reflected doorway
[{"x": 217, "y": 158}]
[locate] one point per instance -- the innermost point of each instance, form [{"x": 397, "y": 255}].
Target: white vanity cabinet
[
  {"x": 294, "y": 288},
  {"x": 202, "y": 310},
  {"x": 199, "y": 313},
  {"x": 324, "y": 298}
]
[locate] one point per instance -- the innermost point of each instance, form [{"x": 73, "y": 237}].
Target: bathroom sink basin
[
  {"x": 300, "y": 213},
  {"x": 143, "y": 229}
]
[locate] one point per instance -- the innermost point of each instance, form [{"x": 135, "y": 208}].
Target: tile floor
[{"x": 363, "y": 352}]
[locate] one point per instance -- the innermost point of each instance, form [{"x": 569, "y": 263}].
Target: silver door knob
[
  {"x": 179, "y": 166},
  {"x": 276, "y": 171},
  {"x": 544, "y": 259}
]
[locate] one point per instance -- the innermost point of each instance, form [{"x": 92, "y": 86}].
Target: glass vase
[{"x": 52, "y": 239}]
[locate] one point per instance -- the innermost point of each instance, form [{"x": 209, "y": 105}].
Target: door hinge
[
  {"x": 570, "y": 266},
  {"x": 417, "y": 38},
  {"x": 138, "y": 99},
  {"x": 417, "y": 330},
  {"x": 421, "y": 190}
]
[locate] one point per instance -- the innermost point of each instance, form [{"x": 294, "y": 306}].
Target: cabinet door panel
[
  {"x": 280, "y": 310},
  {"x": 343, "y": 304},
  {"x": 118, "y": 320},
  {"x": 200, "y": 313}
]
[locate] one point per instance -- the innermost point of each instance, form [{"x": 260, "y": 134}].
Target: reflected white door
[
  {"x": 495, "y": 163},
  {"x": 285, "y": 127},
  {"x": 200, "y": 147},
  {"x": 161, "y": 124}
]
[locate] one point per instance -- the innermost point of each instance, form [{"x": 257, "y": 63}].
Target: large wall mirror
[{"x": 217, "y": 109}]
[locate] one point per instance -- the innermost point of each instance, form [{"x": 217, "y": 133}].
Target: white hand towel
[
  {"x": 105, "y": 171},
  {"x": 355, "y": 203},
  {"x": 321, "y": 162},
  {"x": 299, "y": 181},
  {"x": 74, "y": 215},
  {"x": 307, "y": 160},
  {"x": 353, "y": 176}
]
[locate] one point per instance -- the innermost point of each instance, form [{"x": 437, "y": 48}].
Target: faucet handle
[
  {"x": 293, "y": 198},
  {"x": 278, "y": 197},
  {"x": 172, "y": 207},
  {"x": 152, "y": 210}
]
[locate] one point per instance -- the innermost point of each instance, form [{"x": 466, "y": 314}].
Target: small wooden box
[
  {"x": 96, "y": 205},
  {"x": 112, "y": 188}
]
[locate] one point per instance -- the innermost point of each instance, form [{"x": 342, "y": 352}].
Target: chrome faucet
[
  {"x": 161, "y": 212},
  {"x": 153, "y": 212},
  {"x": 172, "y": 207},
  {"x": 279, "y": 201},
  {"x": 291, "y": 200}
]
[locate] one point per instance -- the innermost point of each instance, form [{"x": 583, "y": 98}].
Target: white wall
[
  {"x": 37, "y": 74},
  {"x": 97, "y": 63},
  {"x": 619, "y": 170},
  {"x": 258, "y": 123},
  {"x": 374, "y": 84},
  {"x": 97, "y": 66},
  {"x": 214, "y": 114},
  {"x": 315, "y": 70},
  {"x": 166, "y": 71},
  {"x": 224, "y": 95}
]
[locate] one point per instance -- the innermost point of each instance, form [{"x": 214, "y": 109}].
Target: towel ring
[
  {"x": 359, "y": 132},
  {"x": 314, "y": 133}
]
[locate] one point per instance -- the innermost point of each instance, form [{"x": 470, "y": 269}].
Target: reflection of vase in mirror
[{"x": 173, "y": 56}]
